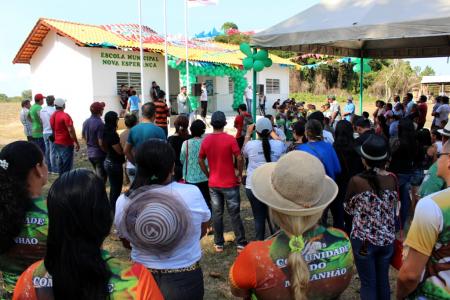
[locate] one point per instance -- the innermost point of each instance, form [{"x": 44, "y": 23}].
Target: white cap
[
  {"x": 60, "y": 102},
  {"x": 263, "y": 124}
]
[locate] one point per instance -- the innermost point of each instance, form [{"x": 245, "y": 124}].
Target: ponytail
[
  {"x": 298, "y": 268},
  {"x": 155, "y": 160},
  {"x": 266, "y": 145},
  {"x": 16, "y": 161}
]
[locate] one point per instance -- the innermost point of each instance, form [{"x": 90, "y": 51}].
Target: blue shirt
[
  {"x": 349, "y": 108},
  {"x": 393, "y": 129},
  {"x": 92, "y": 132},
  {"x": 143, "y": 132},
  {"x": 134, "y": 102},
  {"x": 326, "y": 154}
]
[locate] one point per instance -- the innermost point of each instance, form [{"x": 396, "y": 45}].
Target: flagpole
[
  {"x": 166, "y": 55},
  {"x": 188, "y": 88},
  {"x": 141, "y": 49}
]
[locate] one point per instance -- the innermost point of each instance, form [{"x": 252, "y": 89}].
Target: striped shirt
[{"x": 161, "y": 113}]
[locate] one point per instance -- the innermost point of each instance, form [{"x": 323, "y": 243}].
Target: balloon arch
[{"x": 211, "y": 69}]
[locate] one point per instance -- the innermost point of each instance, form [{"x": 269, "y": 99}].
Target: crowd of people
[{"x": 332, "y": 194}]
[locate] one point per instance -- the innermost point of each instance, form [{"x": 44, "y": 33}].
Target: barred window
[
  {"x": 272, "y": 86},
  {"x": 129, "y": 79},
  {"x": 230, "y": 85}
]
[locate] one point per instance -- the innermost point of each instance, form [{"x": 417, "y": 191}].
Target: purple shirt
[{"x": 92, "y": 132}]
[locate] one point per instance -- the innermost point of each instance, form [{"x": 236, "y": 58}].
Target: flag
[{"x": 196, "y": 3}]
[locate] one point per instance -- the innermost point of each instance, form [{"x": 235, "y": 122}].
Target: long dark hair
[
  {"x": 79, "y": 221},
  {"x": 111, "y": 120},
  {"x": 371, "y": 176},
  {"x": 155, "y": 160},
  {"x": 343, "y": 139},
  {"x": 18, "y": 159},
  {"x": 264, "y": 135},
  {"x": 181, "y": 126}
]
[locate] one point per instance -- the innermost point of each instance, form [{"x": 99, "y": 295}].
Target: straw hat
[
  {"x": 157, "y": 220},
  {"x": 296, "y": 185}
]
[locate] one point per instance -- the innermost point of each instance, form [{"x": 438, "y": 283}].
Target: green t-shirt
[
  {"x": 36, "y": 124},
  {"x": 30, "y": 244},
  {"x": 431, "y": 183}
]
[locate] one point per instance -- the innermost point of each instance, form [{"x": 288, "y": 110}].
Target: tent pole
[
  {"x": 254, "y": 95},
  {"x": 361, "y": 77},
  {"x": 141, "y": 52}
]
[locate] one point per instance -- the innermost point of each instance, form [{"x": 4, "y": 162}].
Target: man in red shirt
[
  {"x": 64, "y": 135},
  {"x": 220, "y": 148},
  {"x": 423, "y": 109},
  {"x": 241, "y": 122}
]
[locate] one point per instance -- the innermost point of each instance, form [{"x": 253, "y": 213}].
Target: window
[
  {"x": 230, "y": 85},
  {"x": 129, "y": 79},
  {"x": 272, "y": 86}
]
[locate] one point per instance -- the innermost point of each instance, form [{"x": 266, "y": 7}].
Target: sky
[{"x": 18, "y": 17}]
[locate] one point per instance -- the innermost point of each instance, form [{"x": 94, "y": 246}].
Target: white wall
[
  {"x": 63, "y": 69},
  {"x": 105, "y": 80},
  {"x": 274, "y": 72}
]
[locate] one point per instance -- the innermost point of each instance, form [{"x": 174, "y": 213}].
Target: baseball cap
[
  {"x": 97, "y": 107},
  {"x": 59, "y": 102},
  {"x": 349, "y": 98},
  {"x": 218, "y": 119},
  {"x": 38, "y": 97},
  {"x": 263, "y": 124}
]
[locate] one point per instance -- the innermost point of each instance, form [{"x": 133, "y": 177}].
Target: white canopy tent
[{"x": 365, "y": 28}]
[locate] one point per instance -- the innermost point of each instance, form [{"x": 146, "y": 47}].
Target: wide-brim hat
[
  {"x": 446, "y": 130},
  {"x": 296, "y": 185},
  {"x": 374, "y": 148},
  {"x": 156, "y": 219}
]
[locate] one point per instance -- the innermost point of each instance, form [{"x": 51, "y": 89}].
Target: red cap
[
  {"x": 97, "y": 107},
  {"x": 38, "y": 97}
]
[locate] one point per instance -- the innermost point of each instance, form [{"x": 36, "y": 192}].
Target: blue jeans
[
  {"x": 40, "y": 143},
  {"x": 232, "y": 198},
  {"x": 260, "y": 214},
  {"x": 373, "y": 269},
  {"x": 64, "y": 157},
  {"x": 50, "y": 154},
  {"x": 115, "y": 175},
  {"x": 404, "y": 182}
]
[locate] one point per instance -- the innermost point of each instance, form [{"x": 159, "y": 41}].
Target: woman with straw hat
[
  {"x": 304, "y": 260},
  {"x": 163, "y": 220}
]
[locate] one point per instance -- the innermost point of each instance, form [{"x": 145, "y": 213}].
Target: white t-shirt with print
[
  {"x": 253, "y": 150},
  {"x": 443, "y": 111},
  {"x": 190, "y": 252}
]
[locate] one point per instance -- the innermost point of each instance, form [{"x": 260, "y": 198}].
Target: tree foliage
[
  {"x": 427, "y": 71},
  {"x": 236, "y": 39},
  {"x": 229, "y": 25},
  {"x": 26, "y": 94}
]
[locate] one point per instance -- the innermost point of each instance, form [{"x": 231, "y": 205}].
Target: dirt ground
[{"x": 215, "y": 266}]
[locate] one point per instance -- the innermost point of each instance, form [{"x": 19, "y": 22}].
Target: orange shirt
[
  {"x": 161, "y": 113},
  {"x": 128, "y": 281},
  {"x": 261, "y": 269}
]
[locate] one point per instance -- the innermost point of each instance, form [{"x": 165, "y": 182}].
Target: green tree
[
  {"x": 3, "y": 98},
  {"x": 428, "y": 71},
  {"x": 26, "y": 94},
  {"x": 229, "y": 25}
]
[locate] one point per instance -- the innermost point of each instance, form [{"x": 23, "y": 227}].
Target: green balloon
[
  {"x": 366, "y": 68},
  {"x": 258, "y": 66},
  {"x": 247, "y": 63},
  {"x": 261, "y": 55},
  {"x": 268, "y": 63},
  {"x": 246, "y": 49}
]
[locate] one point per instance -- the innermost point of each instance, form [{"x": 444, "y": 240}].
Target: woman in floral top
[
  {"x": 192, "y": 173},
  {"x": 371, "y": 199}
]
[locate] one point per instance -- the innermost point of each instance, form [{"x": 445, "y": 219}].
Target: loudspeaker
[
  {"x": 196, "y": 89},
  {"x": 260, "y": 89}
]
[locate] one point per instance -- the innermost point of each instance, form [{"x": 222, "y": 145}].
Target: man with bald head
[{"x": 426, "y": 268}]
